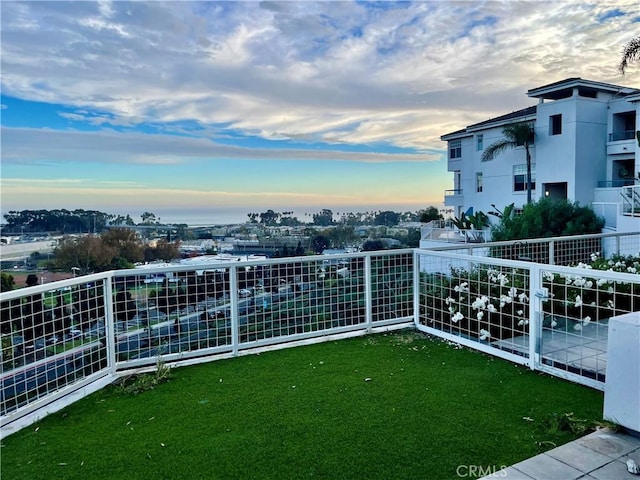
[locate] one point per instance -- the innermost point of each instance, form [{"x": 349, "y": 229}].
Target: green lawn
[{"x": 389, "y": 406}]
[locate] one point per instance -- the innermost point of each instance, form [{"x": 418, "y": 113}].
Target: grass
[{"x": 379, "y": 407}]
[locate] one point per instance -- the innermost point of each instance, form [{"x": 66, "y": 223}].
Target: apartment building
[{"x": 585, "y": 148}]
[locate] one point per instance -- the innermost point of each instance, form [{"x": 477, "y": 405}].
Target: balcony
[
  {"x": 453, "y": 198},
  {"x": 615, "y": 183},
  {"x": 64, "y": 340},
  {"x": 623, "y": 135}
]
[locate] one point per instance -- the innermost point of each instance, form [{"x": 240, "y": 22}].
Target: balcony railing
[
  {"x": 624, "y": 135},
  {"x": 615, "y": 183},
  {"x": 450, "y": 193},
  {"x": 63, "y": 340}
]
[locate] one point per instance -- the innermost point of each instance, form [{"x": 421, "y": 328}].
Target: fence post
[
  {"x": 552, "y": 252},
  {"x": 535, "y": 314},
  {"x": 233, "y": 293},
  {"x": 109, "y": 323},
  {"x": 416, "y": 288},
  {"x": 368, "y": 293}
]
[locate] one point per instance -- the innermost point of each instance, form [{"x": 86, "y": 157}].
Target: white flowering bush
[
  {"x": 582, "y": 299},
  {"x": 483, "y": 303},
  {"x": 493, "y": 303}
]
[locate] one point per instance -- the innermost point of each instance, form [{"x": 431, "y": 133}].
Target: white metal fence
[
  {"x": 61, "y": 337},
  {"x": 551, "y": 318},
  {"x": 63, "y": 340}
]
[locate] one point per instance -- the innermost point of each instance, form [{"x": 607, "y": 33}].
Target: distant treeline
[
  {"x": 66, "y": 221},
  {"x": 93, "y": 221},
  {"x": 326, "y": 217}
]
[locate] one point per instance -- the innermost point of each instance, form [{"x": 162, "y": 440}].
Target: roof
[
  {"x": 502, "y": 119},
  {"x": 552, "y": 91},
  {"x": 564, "y": 88},
  {"x": 517, "y": 115}
]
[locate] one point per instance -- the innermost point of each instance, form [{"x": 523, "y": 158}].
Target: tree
[
  {"x": 516, "y": 134},
  {"x": 89, "y": 254},
  {"x": 429, "y": 214},
  {"x": 630, "y": 53},
  {"x": 387, "y": 218},
  {"x": 319, "y": 243},
  {"x": 163, "y": 250},
  {"x": 324, "y": 218},
  {"x": 269, "y": 218},
  {"x": 127, "y": 242},
  {"x": 149, "y": 218},
  {"x": 7, "y": 282}
]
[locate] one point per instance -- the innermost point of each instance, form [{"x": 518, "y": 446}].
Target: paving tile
[
  {"x": 612, "y": 444},
  {"x": 510, "y": 474},
  {"x": 544, "y": 467},
  {"x": 579, "y": 457},
  {"x": 616, "y": 470}
]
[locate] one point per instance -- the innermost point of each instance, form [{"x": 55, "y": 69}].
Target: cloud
[
  {"x": 343, "y": 72},
  {"x": 53, "y": 146}
]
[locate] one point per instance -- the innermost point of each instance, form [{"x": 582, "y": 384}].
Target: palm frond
[
  {"x": 495, "y": 148},
  {"x": 630, "y": 53}
]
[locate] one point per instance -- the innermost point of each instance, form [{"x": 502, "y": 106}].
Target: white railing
[
  {"x": 64, "y": 340},
  {"x": 630, "y": 200},
  {"x": 567, "y": 250},
  {"x": 551, "y": 318},
  {"x": 61, "y": 338}
]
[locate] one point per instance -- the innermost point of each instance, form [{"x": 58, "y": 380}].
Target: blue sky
[{"x": 178, "y": 106}]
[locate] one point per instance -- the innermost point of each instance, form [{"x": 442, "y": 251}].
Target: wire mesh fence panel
[
  {"x": 477, "y": 301},
  {"x": 170, "y": 312},
  {"x": 303, "y": 296},
  {"x": 578, "y": 310},
  {"x": 50, "y": 339},
  {"x": 566, "y": 251},
  {"x": 392, "y": 286}
]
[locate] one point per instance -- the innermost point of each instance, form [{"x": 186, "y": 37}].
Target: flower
[
  {"x": 586, "y": 320},
  {"x": 484, "y": 334},
  {"x": 578, "y": 302},
  {"x": 491, "y": 308},
  {"x": 480, "y": 315},
  {"x": 457, "y": 317},
  {"x": 504, "y": 299}
]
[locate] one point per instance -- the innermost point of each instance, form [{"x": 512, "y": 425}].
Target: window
[
  {"x": 555, "y": 124},
  {"x": 455, "y": 149},
  {"x": 478, "y": 181},
  {"x": 479, "y": 142},
  {"x": 520, "y": 177}
]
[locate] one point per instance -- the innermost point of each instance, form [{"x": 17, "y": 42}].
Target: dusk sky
[{"x": 203, "y": 107}]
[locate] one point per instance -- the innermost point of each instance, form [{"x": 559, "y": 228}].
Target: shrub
[{"x": 547, "y": 218}]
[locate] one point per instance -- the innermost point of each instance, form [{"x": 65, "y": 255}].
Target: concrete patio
[
  {"x": 601, "y": 455},
  {"x": 582, "y": 351}
]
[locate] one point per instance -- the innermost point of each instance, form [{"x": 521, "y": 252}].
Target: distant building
[{"x": 586, "y": 149}]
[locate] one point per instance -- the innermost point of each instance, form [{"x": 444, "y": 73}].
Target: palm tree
[
  {"x": 516, "y": 134},
  {"x": 630, "y": 53}
]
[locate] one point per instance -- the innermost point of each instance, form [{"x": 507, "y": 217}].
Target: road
[{"x": 19, "y": 251}]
